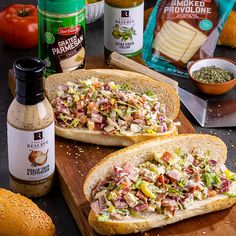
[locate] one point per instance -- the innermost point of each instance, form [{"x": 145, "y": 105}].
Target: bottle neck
[{"x": 29, "y": 92}]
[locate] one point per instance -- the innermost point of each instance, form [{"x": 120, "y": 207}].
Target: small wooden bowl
[{"x": 213, "y": 88}]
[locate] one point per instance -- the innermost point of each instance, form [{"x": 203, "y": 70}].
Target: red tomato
[
  {"x": 166, "y": 156},
  {"x": 19, "y": 25}
]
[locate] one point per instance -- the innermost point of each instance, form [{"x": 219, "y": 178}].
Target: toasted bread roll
[
  {"x": 19, "y": 216},
  {"x": 215, "y": 199},
  {"x": 228, "y": 34},
  {"x": 139, "y": 84}
]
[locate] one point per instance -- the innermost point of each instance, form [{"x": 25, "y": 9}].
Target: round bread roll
[
  {"x": 19, "y": 216},
  {"x": 228, "y": 34}
]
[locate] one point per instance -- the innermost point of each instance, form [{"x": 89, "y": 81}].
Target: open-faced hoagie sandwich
[
  {"x": 159, "y": 182},
  {"x": 111, "y": 107}
]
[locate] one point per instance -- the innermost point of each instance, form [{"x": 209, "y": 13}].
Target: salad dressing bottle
[
  {"x": 123, "y": 27},
  {"x": 30, "y": 131}
]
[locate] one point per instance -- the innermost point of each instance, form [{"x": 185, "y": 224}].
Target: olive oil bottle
[{"x": 123, "y": 27}]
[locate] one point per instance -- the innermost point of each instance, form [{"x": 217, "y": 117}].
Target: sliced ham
[
  {"x": 96, "y": 118},
  {"x": 191, "y": 184},
  {"x": 102, "y": 101},
  {"x": 174, "y": 174},
  {"x": 141, "y": 196},
  {"x": 116, "y": 216},
  {"x": 120, "y": 203},
  {"x": 96, "y": 207},
  {"x": 133, "y": 176},
  {"x": 128, "y": 167},
  {"x": 190, "y": 159},
  {"x": 109, "y": 129},
  {"x": 102, "y": 202},
  {"x": 141, "y": 207}
]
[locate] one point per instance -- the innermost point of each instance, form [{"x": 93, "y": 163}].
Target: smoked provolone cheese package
[{"x": 182, "y": 31}]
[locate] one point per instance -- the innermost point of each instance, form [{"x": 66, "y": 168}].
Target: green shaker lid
[{"x": 61, "y": 6}]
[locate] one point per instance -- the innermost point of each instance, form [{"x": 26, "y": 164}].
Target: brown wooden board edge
[{"x": 78, "y": 216}]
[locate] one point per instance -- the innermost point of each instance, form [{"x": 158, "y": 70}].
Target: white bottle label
[
  {"x": 31, "y": 154},
  {"x": 123, "y": 29}
]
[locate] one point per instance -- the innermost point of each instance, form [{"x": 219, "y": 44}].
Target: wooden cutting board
[{"x": 75, "y": 159}]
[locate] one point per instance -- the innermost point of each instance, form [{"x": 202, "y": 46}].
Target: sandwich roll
[
  {"x": 112, "y": 107},
  {"x": 159, "y": 182},
  {"x": 228, "y": 34},
  {"x": 19, "y": 216}
]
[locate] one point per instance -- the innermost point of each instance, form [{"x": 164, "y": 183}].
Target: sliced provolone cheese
[
  {"x": 196, "y": 43},
  {"x": 173, "y": 40}
]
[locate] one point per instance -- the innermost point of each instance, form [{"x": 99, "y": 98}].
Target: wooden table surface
[{"x": 54, "y": 203}]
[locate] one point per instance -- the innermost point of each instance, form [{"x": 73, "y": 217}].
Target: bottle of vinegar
[{"x": 123, "y": 27}]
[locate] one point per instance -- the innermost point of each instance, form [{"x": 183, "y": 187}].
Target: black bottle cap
[{"x": 29, "y": 80}]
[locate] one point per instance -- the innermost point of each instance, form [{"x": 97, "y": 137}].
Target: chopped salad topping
[
  {"x": 109, "y": 108},
  {"x": 168, "y": 182}
]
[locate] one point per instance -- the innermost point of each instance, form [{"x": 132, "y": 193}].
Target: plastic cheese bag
[{"x": 181, "y": 31}]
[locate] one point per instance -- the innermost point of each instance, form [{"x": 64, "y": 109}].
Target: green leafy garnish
[
  {"x": 137, "y": 183},
  {"x": 207, "y": 178},
  {"x": 216, "y": 180},
  {"x": 103, "y": 218}
]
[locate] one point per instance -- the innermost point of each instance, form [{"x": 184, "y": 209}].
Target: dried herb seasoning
[{"x": 212, "y": 74}]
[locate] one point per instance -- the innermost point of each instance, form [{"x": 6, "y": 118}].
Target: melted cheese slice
[{"x": 178, "y": 41}]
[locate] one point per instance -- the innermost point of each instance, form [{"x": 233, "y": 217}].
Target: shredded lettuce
[
  {"x": 137, "y": 183},
  {"x": 208, "y": 179},
  {"x": 103, "y": 217}
]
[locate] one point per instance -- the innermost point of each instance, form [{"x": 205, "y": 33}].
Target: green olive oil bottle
[{"x": 123, "y": 27}]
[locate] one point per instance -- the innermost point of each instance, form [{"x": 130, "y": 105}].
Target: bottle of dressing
[{"x": 30, "y": 131}]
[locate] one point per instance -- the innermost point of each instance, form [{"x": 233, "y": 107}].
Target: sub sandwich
[
  {"x": 159, "y": 182},
  {"x": 111, "y": 107}
]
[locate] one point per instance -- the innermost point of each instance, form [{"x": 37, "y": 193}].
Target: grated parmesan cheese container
[{"x": 61, "y": 34}]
